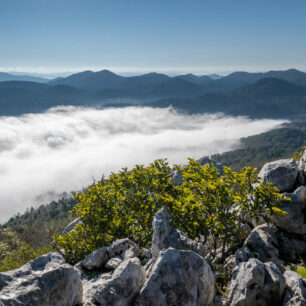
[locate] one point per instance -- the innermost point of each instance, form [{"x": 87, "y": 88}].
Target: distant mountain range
[
  {"x": 272, "y": 94},
  {"x": 13, "y": 77}
]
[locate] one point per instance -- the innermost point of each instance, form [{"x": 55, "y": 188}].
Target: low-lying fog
[{"x": 65, "y": 148}]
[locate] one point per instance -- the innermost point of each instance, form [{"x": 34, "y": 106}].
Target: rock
[
  {"x": 91, "y": 286},
  {"x": 256, "y": 284},
  {"x": 70, "y": 226},
  {"x": 123, "y": 286},
  {"x": 96, "y": 259},
  {"x": 220, "y": 301},
  {"x": 46, "y": 280},
  {"x": 178, "y": 278},
  {"x": 125, "y": 248},
  {"x": 113, "y": 263},
  {"x": 206, "y": 160},
  {"x": 295, "y": 294},
  {"x": 282, "y": 174},
  {"x": 294, "y": 221},
  {"x": 302, "y": 169},
  {"x": 165, "y": 236},
  {"x": 263, "y": 243},
  {"x": 291, "y": 248},
  {"x": 242, "y": 255},
  {"x": 176, "y": 178}
]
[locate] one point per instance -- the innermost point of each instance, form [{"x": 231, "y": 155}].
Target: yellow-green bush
[{"x": 207, "y": 204}]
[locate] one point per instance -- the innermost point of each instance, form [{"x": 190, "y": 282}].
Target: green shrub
[
  {"x": 15, "y": 253},
  {"x": 207, "y": 204},
  {"x": 301, "y": 271}
]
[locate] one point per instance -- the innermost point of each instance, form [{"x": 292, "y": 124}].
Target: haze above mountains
[{"x": 274, "y": 94}]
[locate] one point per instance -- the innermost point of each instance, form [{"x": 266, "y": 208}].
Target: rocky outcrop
[
  {"x": 294, "y": 220},
  {"x": 282, "y": 174},
  {"x": 178, "y": 278},
  {"x": 122, "y": 287},
  {"x": 263, "y": 242},
  {"x": 47, "y": 281},
  {"x": 302, "y": 169},
  {"x": 97, "y": 259},
  {"x": 295, "y": 294},
  {"x": 256, "y": 284},
  {"x": 125, "y": 248},
  {"x": 166, "y": 236}
]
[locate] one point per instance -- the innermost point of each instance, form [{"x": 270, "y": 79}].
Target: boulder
[
  {"x": 178, "y": 278},
  {"x": 206, "y": 160},
  {"x": 294, "y": 221},
  {"x": 302, "y": 169},
  {"x": 46, "y": 280},
  {"x": 295, "y": 294},
  {"x": 176, "y": 178},
  {"x": 242, "y": 255},
  {"x": 96, "y": 259},
  {"x": 166, "y": 236},
  {"x": 124, "y": 248},
  {"x": 113, "y": 263},
  {"x": 256, "y": 284},
  {"x": 70, "y": 226},
  {"x": 122, "y": 287},
  {"x": 263, "y": 243},
  {"x": 281, "y": 173}
]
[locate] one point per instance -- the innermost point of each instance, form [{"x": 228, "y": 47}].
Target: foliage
[
  {"x": 259, "y": 149},
  {"x": 15, "y": 253},
  {"x": 302, "y": 271},
  {"x": 36, "y": 226},
  {"x": 298, "y": 155},
  {"x": 208, "y": 205}
]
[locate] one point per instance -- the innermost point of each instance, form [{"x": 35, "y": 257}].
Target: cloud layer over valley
[{"x": 65, "y": 148}]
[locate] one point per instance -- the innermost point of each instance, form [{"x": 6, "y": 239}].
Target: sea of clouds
[{"x": 66, "y": 148}]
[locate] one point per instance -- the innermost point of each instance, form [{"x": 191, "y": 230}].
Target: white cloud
[{"x": 62, "y": 150}]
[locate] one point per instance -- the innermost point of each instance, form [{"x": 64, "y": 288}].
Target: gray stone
[
  {"x": 70, "y": 226},
  {"x": 113, "y": 263},
  {"x": 242, "y": 255},
  {"x": 176, "y": 178},
  {"x": 178, "y": 278},
  {"x": 256, "y": 284},
  {"x": 220, "y": 301},
  {"x": 281, "y": 173},
  {"x": 206, "y": 160},
  {"x": 46, "y": 280},
  {"x": 165, "y": 236},
  {"x": 295, "y": 294},
  {"x": 302, "y": 169},
  {"x": 263, "y": 243},
  {"x": 294, "y": 220},
  {"x": 124, "y": 248},
  {"x": 96, "y": 259},
  {"x": 90, "y": 287},
  {"x": 123, "y": 286}
]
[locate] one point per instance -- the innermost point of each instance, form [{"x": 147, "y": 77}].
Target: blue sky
[{"x": 171, "y": 36}]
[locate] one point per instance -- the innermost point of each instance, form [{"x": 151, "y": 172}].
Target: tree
[{"x": 208, "y": 205}]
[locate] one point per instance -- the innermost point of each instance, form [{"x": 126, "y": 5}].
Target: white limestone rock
[
  {"x": 166, "y": 236},
  {"x": 281, "y": 173},
  {"x": 96, "y": 259},
  {"x": 256, "y": 284},
  {"x": 178, "y": 278},
  {"x": 46, "y": 280}
]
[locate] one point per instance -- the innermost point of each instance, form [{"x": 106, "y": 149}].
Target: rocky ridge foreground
[{"x": 174, "y": 271}]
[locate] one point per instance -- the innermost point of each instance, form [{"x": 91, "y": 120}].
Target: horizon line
[{"x": 130, "y": 71}]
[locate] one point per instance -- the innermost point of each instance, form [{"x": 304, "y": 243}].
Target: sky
[{"x": 138, "y": 36}]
